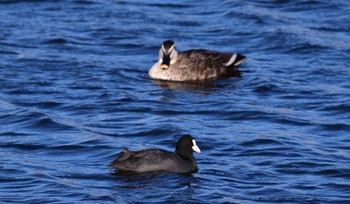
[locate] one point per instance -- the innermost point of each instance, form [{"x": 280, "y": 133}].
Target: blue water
[{"x": 74, "y": 91}]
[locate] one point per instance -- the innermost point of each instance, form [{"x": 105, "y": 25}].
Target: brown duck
[{"x": 194, "y": 65}]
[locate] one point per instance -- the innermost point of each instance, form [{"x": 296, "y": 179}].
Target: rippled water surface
[{"x": 75, "y": 91}]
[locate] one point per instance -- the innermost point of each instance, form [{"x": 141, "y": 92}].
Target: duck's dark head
[{"x": 167, "y": 54}]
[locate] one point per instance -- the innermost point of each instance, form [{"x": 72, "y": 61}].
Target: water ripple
[{"x": 75, "y": 92}]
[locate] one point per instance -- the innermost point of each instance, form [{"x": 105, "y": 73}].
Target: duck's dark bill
[{"x": 166, "y": 62}]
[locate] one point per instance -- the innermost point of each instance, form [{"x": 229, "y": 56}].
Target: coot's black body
[{"x": 158, "y": 160}]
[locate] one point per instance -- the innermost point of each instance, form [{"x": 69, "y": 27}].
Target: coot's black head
[{"x": 186, "y": 145}]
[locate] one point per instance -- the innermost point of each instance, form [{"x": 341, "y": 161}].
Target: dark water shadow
[
  {"x": 194, "y": 86},
  {"x": 185, "y": 85},
  {"x": 128, "y": 180},
  {"x": 117, "y": 173}
]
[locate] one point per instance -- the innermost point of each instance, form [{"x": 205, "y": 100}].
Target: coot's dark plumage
[
  {"x": 158, "y": 160},
  {"x": 194, "y": 65}
]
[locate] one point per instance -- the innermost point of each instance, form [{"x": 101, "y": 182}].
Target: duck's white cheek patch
[
  {"x": 172, "y": 47},
  {"x": 195, "y": 147}
]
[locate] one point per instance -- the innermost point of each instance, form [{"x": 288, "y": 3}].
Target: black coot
[{"x": 158, "y": 160}]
